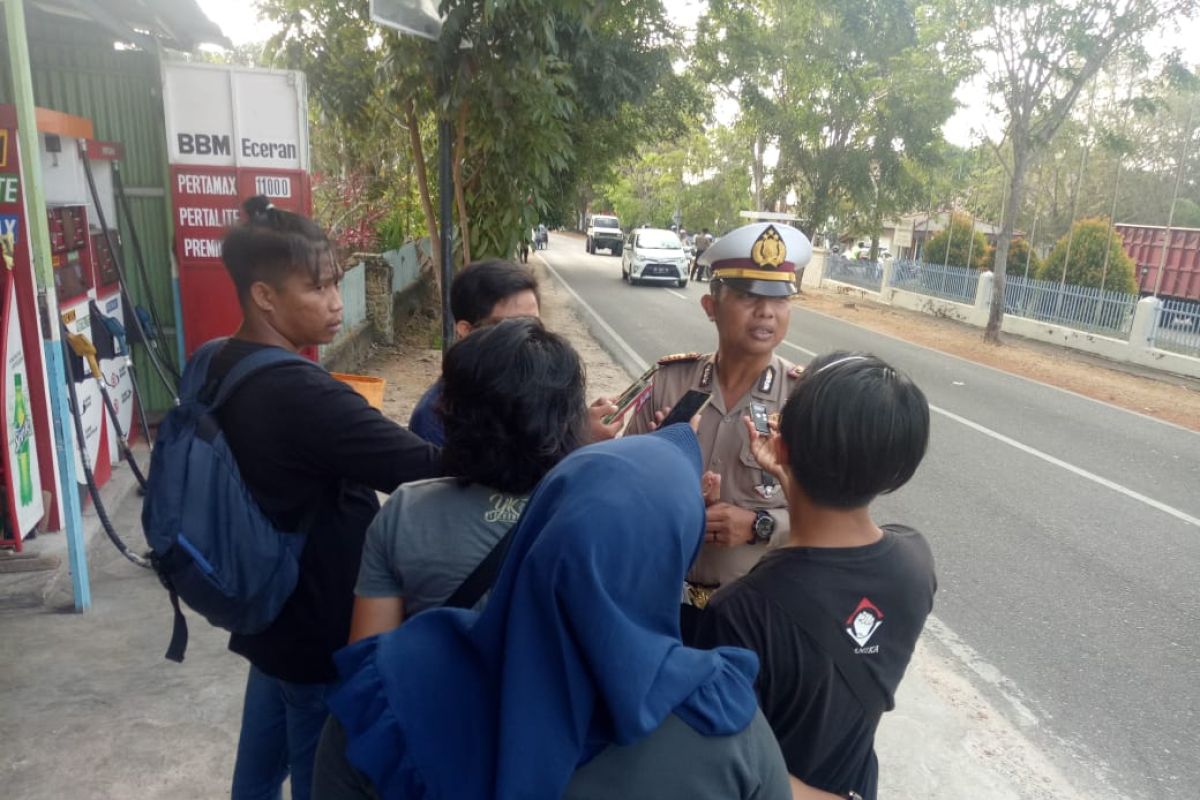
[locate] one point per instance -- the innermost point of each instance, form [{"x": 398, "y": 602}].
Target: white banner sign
[
  {"x": 25, "y": 479},
  {"x": 235, "y": 117}
]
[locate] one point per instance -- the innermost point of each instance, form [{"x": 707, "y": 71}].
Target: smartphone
[
  {"x": 688, "y": 406},
  {"x": 758, "y": 416},
  {"x": 631, "y": 396}
]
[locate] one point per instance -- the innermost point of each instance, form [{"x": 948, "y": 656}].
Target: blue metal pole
[{"x": 39, "y": 254}]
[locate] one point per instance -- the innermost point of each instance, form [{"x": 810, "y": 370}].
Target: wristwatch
[
  {"x": 853, "y": 795},
  {"x": 764, "y": 527}
]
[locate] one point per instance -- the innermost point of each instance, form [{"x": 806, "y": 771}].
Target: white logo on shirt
[
  {"x": 862, "y": 624},
  {"x": 505, "y": 508}
]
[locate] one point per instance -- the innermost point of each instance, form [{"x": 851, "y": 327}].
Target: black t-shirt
[
  {"x": 313, "y": 453},
  {"x": 879, "y": 595}
]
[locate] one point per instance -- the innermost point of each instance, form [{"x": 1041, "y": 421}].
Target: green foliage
[
  {"x": 952, "y": 245},
  {"x": 1088, "y": 241},
  {"x": 853, "y": 94},
  {"x": 1019, "y": 257},
  {"x": 705, "y": 177},
  {"x": 544, "y": 96},
  {"x": 551, "y": 92}
]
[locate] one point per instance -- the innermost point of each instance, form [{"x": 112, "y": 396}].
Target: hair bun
[{"x": 257, "y": 206}]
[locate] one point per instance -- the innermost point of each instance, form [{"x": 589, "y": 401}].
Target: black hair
[
  {"x": 479, "y": 286},
  {"x": 855, "y": 428},
  {"x": 270, "y": 244},
  {"x": 512, "y": 404}
]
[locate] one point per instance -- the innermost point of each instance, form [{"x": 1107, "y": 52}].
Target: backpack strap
[
  {"x": 483, "y": 576},
  {"x": 808, "y": 616},
  {"x": 251, "y": 364},
  {"x": 195, "y": 372}
]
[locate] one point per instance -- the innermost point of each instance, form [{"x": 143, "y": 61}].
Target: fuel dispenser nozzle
[{"x": 83, "y": 348}]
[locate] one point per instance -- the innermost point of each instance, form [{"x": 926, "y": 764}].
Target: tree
[
  {"x": 1097, "y": 259},
  {"x": 704, "y": 176},
  {"x": 1045, "y": 53},
  {"x": 864, "y": 94},
  {"x": 543, "y": 94},
  {"x": 1021, "y": 259},
  {"x": 959, "y": 245}
]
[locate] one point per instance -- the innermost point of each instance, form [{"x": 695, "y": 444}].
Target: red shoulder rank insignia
[{"x": 680, "y": 358}]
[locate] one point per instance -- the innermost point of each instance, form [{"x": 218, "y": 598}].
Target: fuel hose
[
  {"x": 89, "y": 476},
  {"x": 83, "y": 348}
]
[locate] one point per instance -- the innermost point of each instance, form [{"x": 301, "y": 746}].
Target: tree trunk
[
  {"x": 414, "y": 139},
  {"x": 1016, "y": 188},
  {"x": 758, "y": 170},
  {"x": 460, "y": 154}
]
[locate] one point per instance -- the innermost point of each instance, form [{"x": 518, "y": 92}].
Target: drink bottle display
[{"x": 22, "y": 430}]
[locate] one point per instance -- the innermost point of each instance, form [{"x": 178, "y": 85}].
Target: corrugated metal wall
[{"x": 77, "y": 71}]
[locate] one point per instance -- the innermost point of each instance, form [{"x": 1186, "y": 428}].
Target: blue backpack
[{"x": 212, "y": 544}]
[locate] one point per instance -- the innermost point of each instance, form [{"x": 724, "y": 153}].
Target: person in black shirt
[
  {"x": 835, "y": 615},
  {"x": 312, "y": 453}
]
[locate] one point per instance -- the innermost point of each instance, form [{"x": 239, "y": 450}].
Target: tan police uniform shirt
[{"x": 725, "y": 449}]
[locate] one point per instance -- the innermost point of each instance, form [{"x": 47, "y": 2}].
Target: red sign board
[{"x": 232, "y": 133}]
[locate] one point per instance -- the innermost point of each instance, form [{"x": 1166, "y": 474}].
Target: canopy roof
[{"x": 178, "y": 24}]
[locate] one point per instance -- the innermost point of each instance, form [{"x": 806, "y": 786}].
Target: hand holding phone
[
  {"x": 632, "y": 395},
  {"x": 688, "y": 406}
]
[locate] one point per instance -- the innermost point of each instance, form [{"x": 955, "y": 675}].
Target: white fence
[
  {"x": 1178, "y": 327},
  {"x": 1164, "y": 334}
]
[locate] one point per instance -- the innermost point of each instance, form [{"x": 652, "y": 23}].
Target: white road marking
[
  {"x": 677, "y": 294},
  {"x": 975, "y": 426},
  {"x": 1058, "y": 462},
  {"x": 1080, "y": 471},
  {"x": 804, "y": 350},
  {"x": 624, "y": 345},
  {"x": 1011, "y": 375}
]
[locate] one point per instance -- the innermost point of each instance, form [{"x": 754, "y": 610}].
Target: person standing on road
[
  {"x": 702, "y": 242},
  {"x": 836, "y": 613},
  {"x": 313, "y": 454},
  {"x": 482, "y": 293},
  {"x": 753, "y": 272}
]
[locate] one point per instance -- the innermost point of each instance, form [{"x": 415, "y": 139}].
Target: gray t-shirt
[
  {"x": 677, "y": 763},
  {"x": 429, "y": 536}
]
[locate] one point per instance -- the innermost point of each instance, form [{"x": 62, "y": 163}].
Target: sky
[{"x": 239, "y": 20}]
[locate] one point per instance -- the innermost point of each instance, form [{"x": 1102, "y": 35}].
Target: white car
[{"x": 654, "y": 255}]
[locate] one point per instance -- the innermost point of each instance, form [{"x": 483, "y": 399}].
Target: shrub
[
  {"x": 1018, "y": 252},
  {"x": 957, "y": 237},
  {"x": 1087, "y": 239}
]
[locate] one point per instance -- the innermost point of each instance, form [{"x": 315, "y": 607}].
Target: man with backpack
[{"x": 312, "y": 454}]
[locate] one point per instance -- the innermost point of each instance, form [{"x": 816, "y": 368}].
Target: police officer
[{"x": 753, "y": 278}]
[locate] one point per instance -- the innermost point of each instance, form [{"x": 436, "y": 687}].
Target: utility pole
[
  {"x": 39, "y": 256},
  {"x": 1162, "y": 261}
]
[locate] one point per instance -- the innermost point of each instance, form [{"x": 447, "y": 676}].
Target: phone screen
[
  {"x": 636, "y": 391},
  {"x": 688, "y": 406},
  {"x": 758, "y": 416}
]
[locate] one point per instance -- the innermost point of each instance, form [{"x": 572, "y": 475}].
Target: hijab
[{"x": 578, "y": 647}]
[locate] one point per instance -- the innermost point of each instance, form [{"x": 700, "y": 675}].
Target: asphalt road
[{"x": 1066, "y": 532}]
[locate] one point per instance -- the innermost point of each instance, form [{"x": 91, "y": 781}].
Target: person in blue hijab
[{"x": 572, "y": 682}]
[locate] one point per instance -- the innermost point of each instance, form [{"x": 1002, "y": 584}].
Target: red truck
[{"x": 1181, "y": 276}]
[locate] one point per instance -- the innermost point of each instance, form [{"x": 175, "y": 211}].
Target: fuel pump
[{"x": 73, "y": 259}]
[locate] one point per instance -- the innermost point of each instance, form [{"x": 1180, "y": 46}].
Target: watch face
[{"x": 764, "y": 526}]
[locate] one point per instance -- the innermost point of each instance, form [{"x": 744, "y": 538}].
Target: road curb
[{"x": 601, "y": 331}]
